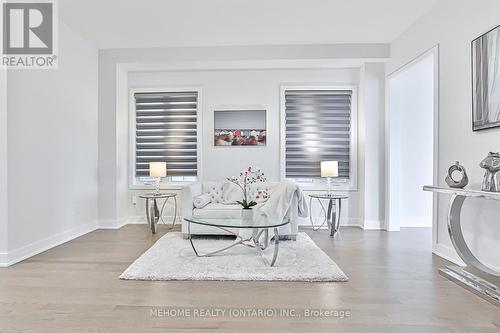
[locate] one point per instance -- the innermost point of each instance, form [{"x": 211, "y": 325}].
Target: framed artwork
[
  {"x": 240, "y": 128},
  {"x": 486, "y": 80}
]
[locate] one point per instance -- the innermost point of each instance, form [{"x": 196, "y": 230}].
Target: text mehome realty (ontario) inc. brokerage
[{"x": 188, "y": 312}]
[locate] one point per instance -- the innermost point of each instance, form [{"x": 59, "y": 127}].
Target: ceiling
[{"x": 172, "y": 23}]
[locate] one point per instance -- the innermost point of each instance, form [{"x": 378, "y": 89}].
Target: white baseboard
[
  {"x": 3, "y": 259},
  {"x": 365, "y": 225},
  {"x": 373, "y": 225},
  {"x": 15, "y": 256},
  {"x": 447, "y": 253},
  {"x": 136, "y": 220},
  {"x": 451, "y": 255},
  {"x": 351, "y": 222},
  {"x": 107, "y": 224},
  {"x": 355, "y": 222},
  {"x": 139, "y": 219},
  {"x": 37, "y": 247},
  {"x": 111, "y": 224}
]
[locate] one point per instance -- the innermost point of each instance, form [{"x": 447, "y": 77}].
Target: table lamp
[
  {"x": 329, "y": 169},
  {"x": 157, "y": 170}
]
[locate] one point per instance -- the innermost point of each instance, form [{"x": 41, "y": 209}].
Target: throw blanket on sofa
[{"x": 280, "y": 199}]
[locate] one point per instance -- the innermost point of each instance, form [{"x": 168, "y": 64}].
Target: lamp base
[
  {"x": 329, "y": 186},
  {"x": 157, "y": 185}
]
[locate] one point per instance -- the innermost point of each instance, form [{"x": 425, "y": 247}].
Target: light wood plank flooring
[{"x": 394, "y": 287}]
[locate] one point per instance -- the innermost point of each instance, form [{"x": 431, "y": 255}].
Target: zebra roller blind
[
  {"x": 317, "y": 128},
  {"x": 166, "y": 132}
]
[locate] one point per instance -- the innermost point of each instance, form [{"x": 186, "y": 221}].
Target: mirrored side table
[
  {"x": 153, "y": 214},
  {"x": 332, "y": 217}
]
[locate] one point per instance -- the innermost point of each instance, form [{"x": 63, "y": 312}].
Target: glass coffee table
[{"x": 259, "y": 238}]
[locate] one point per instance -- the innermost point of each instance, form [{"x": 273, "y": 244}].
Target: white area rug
[{"x": 172, "y": 258}]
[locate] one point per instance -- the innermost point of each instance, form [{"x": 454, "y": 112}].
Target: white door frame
[{"x": 392, "y": 224}]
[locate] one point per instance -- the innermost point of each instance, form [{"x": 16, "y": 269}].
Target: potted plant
[{"x": 250, "y": 175}]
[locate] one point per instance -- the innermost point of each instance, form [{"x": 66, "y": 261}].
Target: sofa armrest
[{"x": 188, "y": 193}]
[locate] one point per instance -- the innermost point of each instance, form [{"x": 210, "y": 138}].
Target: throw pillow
[
  {"x": 231, "y": 193},
  {"x": 215, "y": 193},
  {"x": 201, "y": 200}
]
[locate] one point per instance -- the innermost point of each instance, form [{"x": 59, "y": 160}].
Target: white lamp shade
[
  {"x": 157, "y": 169},
  {"x": 329, "y": 169}
]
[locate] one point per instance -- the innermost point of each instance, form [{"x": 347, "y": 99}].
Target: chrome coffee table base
[{"x": 259, "y": 240}]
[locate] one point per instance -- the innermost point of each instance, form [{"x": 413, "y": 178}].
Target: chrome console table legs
[{"x": 475, "y": 276}]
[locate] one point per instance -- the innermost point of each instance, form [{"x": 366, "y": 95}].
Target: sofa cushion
[
  {"x": 218, "y": 210},
  {"x": 215, "y": 192}
]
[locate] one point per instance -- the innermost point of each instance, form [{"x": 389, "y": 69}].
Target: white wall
[
  {"x": 3, "y": 165},
  {"x": 52, "y": 149},
  {"x": 251, "y": 119},
  {"x": 240, "y": 89},
  {"x": 411, "y": 113},
  {"x": 372, "y": 145},
  {"x": 453, "y": 25},
  {"x": 245, "y": 88}
]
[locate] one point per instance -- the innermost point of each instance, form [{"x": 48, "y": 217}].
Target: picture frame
[
  {"x": 240, "y": 128},
  {"x": 485, "y": 72}
]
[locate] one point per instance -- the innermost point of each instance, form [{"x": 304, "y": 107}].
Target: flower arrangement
[{"x": 250, "y": 175}]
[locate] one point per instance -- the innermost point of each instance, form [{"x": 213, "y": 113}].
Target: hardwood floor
[{"x": 394, "y": 287}]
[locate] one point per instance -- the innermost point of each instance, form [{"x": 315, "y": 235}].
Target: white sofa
[{"x": 216, "y": 209}]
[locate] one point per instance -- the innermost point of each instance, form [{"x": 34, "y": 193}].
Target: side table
[
  {"x": 153, "y": 214},
  {"x": 332, "y": 218}
]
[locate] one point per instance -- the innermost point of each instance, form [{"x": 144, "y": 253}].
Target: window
[
  {"x": 318, "y": 127},
  {"x": 166, "y": 131}
]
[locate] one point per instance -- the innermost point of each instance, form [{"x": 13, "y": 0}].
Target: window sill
[
  {"x": 324, "y": 187},
  {"x": 171, "y": 186}
]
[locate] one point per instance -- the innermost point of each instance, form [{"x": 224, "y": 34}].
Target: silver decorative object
[
  {"x": 457, "y": 183},
  {"x": 491, "y": 181}
]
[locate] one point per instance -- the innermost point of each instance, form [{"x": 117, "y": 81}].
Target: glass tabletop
[
  {"x": 157, "y": 195},
  {"x": 328, "y": 196},
  {"x": 258, "y": 221}
]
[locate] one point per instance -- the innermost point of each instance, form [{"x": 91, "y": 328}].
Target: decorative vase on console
[
  {"x": 491, "y": 164},
  {"x": 451, "y": 179},
  {"x": 250, "y": 175}
]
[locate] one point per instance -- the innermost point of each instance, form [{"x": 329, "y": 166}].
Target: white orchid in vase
[{"x": 250, "y": 175}]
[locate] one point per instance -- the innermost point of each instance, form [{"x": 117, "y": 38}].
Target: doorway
[{"x": 412, "y": 160}]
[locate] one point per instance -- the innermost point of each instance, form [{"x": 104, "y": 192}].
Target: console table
[{"x": 475, "y": 276}]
